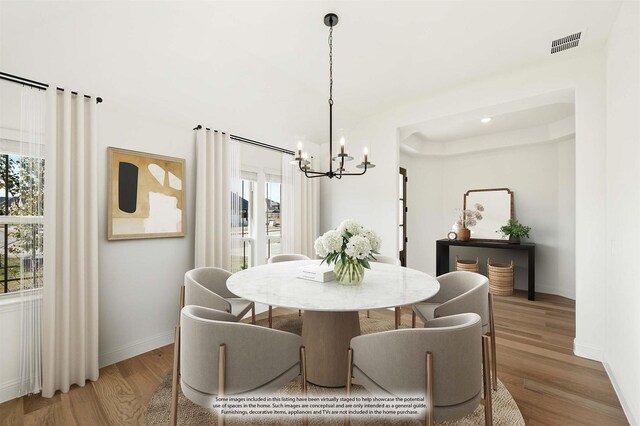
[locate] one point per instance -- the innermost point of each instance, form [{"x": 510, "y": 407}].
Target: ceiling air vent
[{"x": 565, "y": 43}]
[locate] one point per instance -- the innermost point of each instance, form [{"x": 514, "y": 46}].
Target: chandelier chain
[
  {"x": 330, "y": 20},
  {"x": 331, "y": 65}
]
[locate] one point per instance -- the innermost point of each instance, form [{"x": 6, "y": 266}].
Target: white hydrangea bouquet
[{"x": 350, "y": 247}]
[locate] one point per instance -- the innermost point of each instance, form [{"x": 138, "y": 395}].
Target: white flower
[
  {"x": 332, "y": 241},
  {"x": 351, "y": 226},
  {"x": 319, "y": 246},
  {"x": 373, "y": 238},
  {"x": 358, "y": 247},
  {"x": 479, "y": 207}
]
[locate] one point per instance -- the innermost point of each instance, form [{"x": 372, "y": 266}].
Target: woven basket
[
  {"x": 500, "y": 278},
  {"x": 467, "y": 265}
]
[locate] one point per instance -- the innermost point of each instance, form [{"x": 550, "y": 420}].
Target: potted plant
[
  {"x": 515, "y": 230},
  {"x": 349, "y": 247}
]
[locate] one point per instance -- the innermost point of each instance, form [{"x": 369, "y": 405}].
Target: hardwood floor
[{"x": 535, "y": 361}]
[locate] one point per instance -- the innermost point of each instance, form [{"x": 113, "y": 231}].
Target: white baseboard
[
  {"x": 136, "y": 348},
  {"x": 148, "y": 344},
  {"x": 9, "y": 390},
  {"x": 585, "y": 351},
  {"x": 625, "y": 405}
]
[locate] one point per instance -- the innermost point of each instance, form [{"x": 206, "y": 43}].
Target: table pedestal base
[{"x": 326, "y": 337}]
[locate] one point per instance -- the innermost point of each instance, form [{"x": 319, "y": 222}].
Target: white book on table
[{"x": 319, "y": 273}]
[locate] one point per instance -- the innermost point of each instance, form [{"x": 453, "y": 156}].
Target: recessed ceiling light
[{"x": 485, "y": 120}]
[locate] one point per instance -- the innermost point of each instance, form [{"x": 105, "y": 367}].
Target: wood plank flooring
[{"x": 535, "y": 361}]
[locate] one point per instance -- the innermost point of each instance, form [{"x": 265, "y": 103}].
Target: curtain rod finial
[
  {"x": 198, "y": 127},
  {"x": 98, "y": 100}
]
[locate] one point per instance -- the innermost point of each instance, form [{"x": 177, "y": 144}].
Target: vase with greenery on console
[
  {"x": 515, "y": 230},
  {"x": 349, "y": 247}
]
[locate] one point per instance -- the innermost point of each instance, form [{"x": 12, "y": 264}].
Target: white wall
[
  {"x": 140, "y": 279},
  {"x": 111, "y": 49},
  {"x": 541, "y": 176},
  {"x": 622, "y": 318},
  {"x": 426, "y": 222},
  {"x": 10, "y": 315},
  {"x": 372, "y": 198}
]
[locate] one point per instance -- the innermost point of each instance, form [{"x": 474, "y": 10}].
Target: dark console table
[{"x": 442, "y": 256}]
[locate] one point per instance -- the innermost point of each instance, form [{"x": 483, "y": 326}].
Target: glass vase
[{"x": 350, "y": 272}]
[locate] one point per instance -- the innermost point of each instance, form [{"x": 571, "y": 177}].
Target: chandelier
[{"x": 331, "y": 20}]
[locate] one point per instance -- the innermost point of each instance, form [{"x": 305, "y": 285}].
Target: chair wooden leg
[
  {"x": 174, "y": 379},
  {"x": 398, "y": 317},
  {"x": 222, "y": 363},
  {"x": 368, "y": 313},
  {"x": 347, "y": 420},
  {"x": 488, "y": 412},
  {"x": 492, "y": 331},
  {"x": 429, "y": 418},
  {"x": 253, "y": 314},
  {"x": 270, "y": 316},
  {"x": 303, "y": 367},
  {"x": 413, "y": 320},
  {"x": 299, "y": 312},
  {"x": 181, "y": 302}
]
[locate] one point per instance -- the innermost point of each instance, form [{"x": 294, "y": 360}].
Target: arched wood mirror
[{"x": 497, "y": 209}]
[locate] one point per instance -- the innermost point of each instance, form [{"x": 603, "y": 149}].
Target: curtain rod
[
  {"x": 251, "y": 142},
  {"x": 37, "y": 84}
]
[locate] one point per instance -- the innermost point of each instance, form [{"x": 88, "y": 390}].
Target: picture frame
[
  {"x": 146, "y": 195},
  {"x": 498, "y": 209}
]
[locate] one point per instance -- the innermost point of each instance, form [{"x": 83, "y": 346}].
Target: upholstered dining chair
[
  {"x": 284, "y": 258},
  {"x": 207, "y": 287},
  {"x": 220, "y": 357},
  {"x": 441, "y": 361},
  {"x": 391, "y": 261},
  {"x": 461, "y": 292}
]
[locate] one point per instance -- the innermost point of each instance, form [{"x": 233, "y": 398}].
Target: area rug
[{"x": 505, "y": 410}]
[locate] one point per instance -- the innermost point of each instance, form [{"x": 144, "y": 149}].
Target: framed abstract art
[{"x": 146, "y": 195}]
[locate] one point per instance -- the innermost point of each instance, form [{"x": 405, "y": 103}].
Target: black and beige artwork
[{"x": 146, "y": 195}]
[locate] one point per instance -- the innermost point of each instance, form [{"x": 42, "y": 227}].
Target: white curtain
[
  {"x": 26, "y": 213},
  {"x": 299, "y": 209},
  {"x": 70, "y": 295},
  {"x": 217, "y": 173},
  {"x": 238, "y": 212}
]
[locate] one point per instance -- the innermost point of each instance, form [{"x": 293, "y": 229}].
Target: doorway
[{"x": 402, "y": 205}]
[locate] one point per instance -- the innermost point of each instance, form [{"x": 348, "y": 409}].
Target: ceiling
[
  {"x": 266, "y": 61},
  {"x": 448, "y": 130},
  {"x": 504, "y": 118}
]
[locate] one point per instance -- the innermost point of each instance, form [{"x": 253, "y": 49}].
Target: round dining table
[{"x": 330, "y": 317}]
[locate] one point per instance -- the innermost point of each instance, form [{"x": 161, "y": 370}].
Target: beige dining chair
[
  {"x": 441, "y": 361},
  {"x": 460, "y": 292},
  {"x": 220, "y": 357},
  {"x": 207, "y": 286},
  {"x": 391, "y": 261},
  {"x": 284, "y": 258}
]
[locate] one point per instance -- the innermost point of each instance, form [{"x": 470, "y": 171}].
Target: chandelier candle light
[
  {"x": 301, "y": 158},
  {"x": 350, "y": 247}
]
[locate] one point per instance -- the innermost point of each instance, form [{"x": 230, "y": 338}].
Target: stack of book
[{"x": 318, "y": 273}]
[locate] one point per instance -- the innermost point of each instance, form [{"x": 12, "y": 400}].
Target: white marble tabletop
[{"x": 384, "y": 286}]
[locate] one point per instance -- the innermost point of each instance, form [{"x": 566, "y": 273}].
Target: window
[
  {"x": 21, "y": 227},
  {"x": 272, "y": 213},
  {"x": 242, "y": 226},
  {"x": 255, "y": 226},
  {"x": 256, "y": 176}
]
